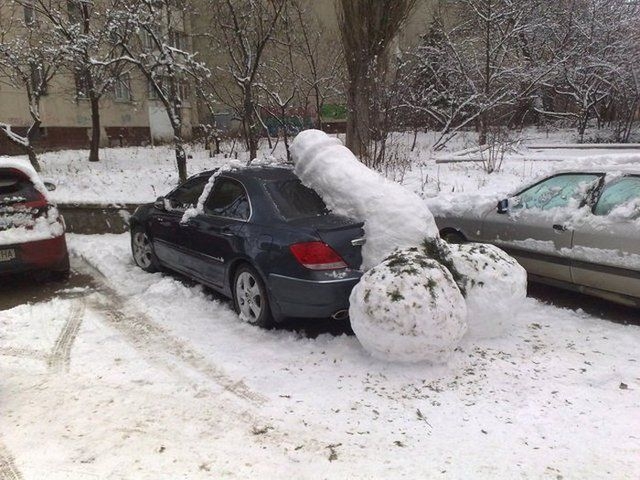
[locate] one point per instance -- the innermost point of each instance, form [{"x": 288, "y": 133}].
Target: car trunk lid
[
  {"x": 342, "y": 234},
  {"x": 20, "y": 202}
]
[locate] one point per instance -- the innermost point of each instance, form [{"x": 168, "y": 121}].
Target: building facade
[{"x": 130, "y": 112}]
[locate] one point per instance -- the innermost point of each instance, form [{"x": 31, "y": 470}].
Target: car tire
[
  {"x": 453, "y": 237},
  {"x": 142, "y": 251},
  {"x": 250, "y": 297},
  {"x": 62, "y": 272}
]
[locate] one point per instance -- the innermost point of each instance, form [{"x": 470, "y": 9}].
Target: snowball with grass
[
  {"x": 492, "y": 282},
  {"x": 408, "y": 309}
]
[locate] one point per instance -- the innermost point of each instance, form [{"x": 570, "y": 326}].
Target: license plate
[{"x": 7, "y": 255}]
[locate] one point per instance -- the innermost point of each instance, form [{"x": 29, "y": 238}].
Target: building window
[
  {"x": 82, "y": 85},
  {"x": 183, "y": 89},
  {"x": 122, "y": 89},
  {"x": 179, "y": 40},
  {"x": 148, "y": 37},
  {"x": 29, "y": 13},
  {"x": 153, "y": 93},
  {"x": 78, "y": 10}
]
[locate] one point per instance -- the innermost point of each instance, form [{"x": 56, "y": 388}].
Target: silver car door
[
  {"x": 537, "y": 227},
  {"x": 606, "y": 249}
]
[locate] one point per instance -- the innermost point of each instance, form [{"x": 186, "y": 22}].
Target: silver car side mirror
[{"x": 503, "y": 205}]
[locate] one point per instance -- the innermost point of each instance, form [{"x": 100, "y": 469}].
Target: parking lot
[{"x": 123, "y": 374}]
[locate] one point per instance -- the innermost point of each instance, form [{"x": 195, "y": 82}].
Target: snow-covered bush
[
  {"x": 394, "y": 217},
  {"x": 492, "y": 282},
  {"x": 408, "y": 309}
]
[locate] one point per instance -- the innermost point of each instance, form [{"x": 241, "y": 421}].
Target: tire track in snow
[
  {"x": 23, "y": 353},
  {"x": 60, "y": 357},
  {"x": 159, "y": 347},
  {"x": 155, "y": 343},
  {"x": 8, "y": 469}
]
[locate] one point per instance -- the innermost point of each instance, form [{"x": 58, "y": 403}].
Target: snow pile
[
  {"x": 408, "y": 309},
  {"x": 42, "y": 227},
  {"x": 19, "y": 224},
  {"x": 394, "y": 217},
  {"x": 493, "y": 283}
]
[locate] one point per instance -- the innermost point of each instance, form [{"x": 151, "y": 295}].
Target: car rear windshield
[
  {"x": 294, "y": 200},
  {"x": 15, "y": 187}
]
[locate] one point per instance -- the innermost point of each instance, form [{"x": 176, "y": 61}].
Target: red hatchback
[{"x": 31, "y": 228}]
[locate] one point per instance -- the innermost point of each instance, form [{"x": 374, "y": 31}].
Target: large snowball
[
  {"x": 394, "y": 217},
  {"x": 408, "y": 309},
  {"x": 494, "y": 283}
]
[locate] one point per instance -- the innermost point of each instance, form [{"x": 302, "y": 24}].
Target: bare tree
[
  {"x": 28, "y": 61},
  {"x": 320, "y": 70},
  {"x": 243, "y": 30},
  {"x": 368, "y": 29},
  {"x": 479, "y": 67},
  {"x": 161, "y": 53},
  {"x": 599, "y": 42},
  {"x": 93, "y": 52}
]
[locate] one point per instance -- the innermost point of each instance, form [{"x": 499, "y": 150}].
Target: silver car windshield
[
  {"x": 557, "y": 192},
  {"x": 623, "y": 194}
]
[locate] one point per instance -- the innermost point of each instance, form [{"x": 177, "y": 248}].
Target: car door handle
[
  {"x": 227, "y": 232},
  {"x": 559, "y": 228}
]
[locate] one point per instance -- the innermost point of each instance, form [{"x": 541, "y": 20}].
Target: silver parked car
[{"x": 574, "y": 229}]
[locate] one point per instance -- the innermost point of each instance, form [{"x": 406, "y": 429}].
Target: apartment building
[{"x": 130, "y": 112}]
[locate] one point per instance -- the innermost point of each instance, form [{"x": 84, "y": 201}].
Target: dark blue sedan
[{"x": 262, "y": 239}]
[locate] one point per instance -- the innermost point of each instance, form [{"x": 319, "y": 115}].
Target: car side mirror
[
  {"x": 503, "y": 205},
  {"x": 160, "y": 204},
  {"x": 49, "y": 186}
]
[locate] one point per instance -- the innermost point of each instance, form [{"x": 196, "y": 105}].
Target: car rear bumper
[
  {"x": 49, "y": 254},
  {"x": 295, "y": 297}
]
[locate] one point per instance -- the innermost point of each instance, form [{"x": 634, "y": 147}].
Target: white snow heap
[
  {"x": 493, "y": 283},
  {"x": 408, "y": 309},
  {"x": 394, "y": 217},
  {"x": 24, "y": 226}
]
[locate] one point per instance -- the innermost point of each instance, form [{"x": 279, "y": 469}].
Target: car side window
[
  {"x": 229, "y": 199},
  {"x": 187, "y": 194},
  {"x": 623, "y": 196},
  {"x": 556, "y": 192}
]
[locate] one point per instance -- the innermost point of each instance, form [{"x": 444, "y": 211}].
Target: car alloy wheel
[
  {"x": 250, "y": 297},
  {"x": 142, "y": 251}
]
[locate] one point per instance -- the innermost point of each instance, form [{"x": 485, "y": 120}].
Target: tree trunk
[
  {"x": 181, "y": 156},
  {"x": 33, "y": 159},
  {"x": 482, "y": 129},
  {"x": 358, "y": 128},
  {"x": 249, "y": 122},
  {"x": 94, "y": 151},
  {"x": 318, "y": 108}
]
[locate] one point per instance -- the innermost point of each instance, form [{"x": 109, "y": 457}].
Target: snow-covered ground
[
  {"x": 145, "y": 376},
  {"x": 140, "y": 174}
]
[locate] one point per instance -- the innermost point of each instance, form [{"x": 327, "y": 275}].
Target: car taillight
[{"x": 317, "y": 256}]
